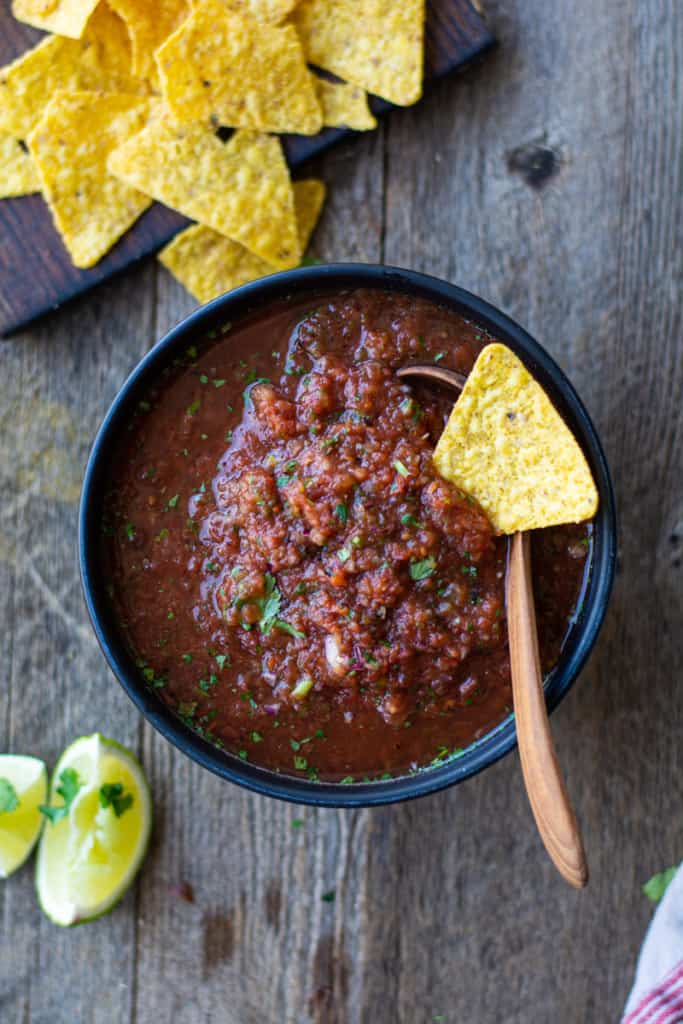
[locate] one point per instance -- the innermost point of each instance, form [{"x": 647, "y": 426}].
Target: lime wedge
[
  {"x": 100, "y": 816},
  {"x": 23, "y": 786}
]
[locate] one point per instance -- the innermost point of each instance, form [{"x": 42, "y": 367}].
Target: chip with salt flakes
[
  {"x": 506, "y": 445},
  {"x": 150, "y": 23},
  {"x": 263, "y": 10},
  {"x": 240, "y": 188},
  {"x": 64, "y": 17},
  {"x": 18, "y": 175},
  {"x": 344, "y": 106},
  {"x": 70, "y": 146},
  {"x": 377, "y": 45},
  {"x": 100, "y": 60},
  {"x": 224, "y": 69},
  {"x": 209, "y": 264}
]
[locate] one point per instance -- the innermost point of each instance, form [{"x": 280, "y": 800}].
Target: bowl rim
[{"x": 232, "y": 306}]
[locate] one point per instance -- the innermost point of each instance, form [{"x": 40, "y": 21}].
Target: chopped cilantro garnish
[
  {"x": 341, "y": 513},
  {"x": 130, "y": 531},
  {"x": 295, "y": 745},
  {"x": 70, "y": 785},
  {"x": 283, "y": 480},
  {"x": 347, "y": 781},
  {"x": 192, "y": 351},
  {"x": 112, "y": 795},
  {"x": 439, "y": 356},
  {"x": 300, "y": 763},
  {"x": 203, "y": 379},
  {"x": 343, "y": 554},
  {"x": 221, "y": 659},
  {"x": 194, "y": 407},
  {"x": 410, "y": 520},
  {"x": 256, "y": 737},
  {"x": 291, "y": 465},
  {"x": 400, "y": 468},
  {"x": 172, "y": 502},
  {"x": 287, "y": 627},
  {"x": 218, "y": 383},
  {"x": 656, "y": 886},
  {"x": 242, "y": 754},
  {"x": 9, "y": 801},
  {"x": 468, "y": 570},
  {"x": 187, "y": 658},
  {"x": 422, "y": 570},
  {"x": 372, "y": 661}
]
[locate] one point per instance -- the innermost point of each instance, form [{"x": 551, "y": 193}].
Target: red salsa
[{"x": 290, "y": 571}]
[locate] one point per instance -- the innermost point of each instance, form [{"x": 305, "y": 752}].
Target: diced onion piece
[
  {"x": 302, "y": 688},
  {"x": 335, "y": 659}
]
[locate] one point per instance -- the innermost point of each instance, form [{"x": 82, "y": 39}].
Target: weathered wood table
[{"x": 549, "y": 180}]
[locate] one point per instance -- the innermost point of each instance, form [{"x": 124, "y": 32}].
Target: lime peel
[
  {"x": 24, "y": 788},
  {"x": 88, "y": 857}
]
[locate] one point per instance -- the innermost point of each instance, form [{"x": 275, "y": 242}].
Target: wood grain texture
[
  {"x": 36, "y": 274},
  {"x": 549, "y": 180}
]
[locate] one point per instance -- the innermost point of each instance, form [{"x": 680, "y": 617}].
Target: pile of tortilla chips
[{"x": 122, "y": 105}]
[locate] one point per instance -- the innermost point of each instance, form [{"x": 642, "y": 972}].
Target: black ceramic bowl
[{"x": 232, "y": 307}]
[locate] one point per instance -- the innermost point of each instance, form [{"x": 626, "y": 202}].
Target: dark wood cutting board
[{"x": 36, "y": 274}]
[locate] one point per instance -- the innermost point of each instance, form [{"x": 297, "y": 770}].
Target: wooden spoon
[{"x": 555, "y": 818}]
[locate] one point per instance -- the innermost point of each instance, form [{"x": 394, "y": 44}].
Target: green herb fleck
[
  {"x": 9, "y": 801},
  {"x": 341, "y": 513},
  {"x": 439, "y": 356},
  {"x": 295, "y": 745},
  {"x": 410, "y": 520},
  {"x": 422, "y": 570},
  {"x": 187, "y": 658},
  {"x": 300, "y": 763},
  {"x": 194, "y": 407},
  {"x": 656, "y": 886},
  {"x": 130, "y": 531},
  {"x": 203, "y": 379},
  {"x": 343, "y": 554},
  {"x": 172, "y": 502},
  {"x": 112, "y": 795},
  {"x": 346, "y": 781},
  {"x": 400, "y": 468},
  {"x": 70, "y": 785},
  {"x": 256, "y": 737}
]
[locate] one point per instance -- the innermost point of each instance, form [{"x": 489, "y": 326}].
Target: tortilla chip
[
  {"x": 344, "y": 105},
  {"x": 209, "y": 264},
  {"x": 65, "y": 17},
  {"x": 70, "y": 146},
  {"x": 222, "y": 69},
  {"x": 149, "y": 23},
  {"x": 270, "y": 11},
  {"x": 506, "y": 445},
  {"x": 240, "y": 188},
  {"x": 18, "y": 174},
  {"x": 100, "y": 60},
  {"x": 377, "y": 45},
  {"x": 309, "y": 196}
]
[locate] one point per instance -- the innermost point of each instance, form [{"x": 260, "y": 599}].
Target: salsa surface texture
[{"x": 289, "y": 570}]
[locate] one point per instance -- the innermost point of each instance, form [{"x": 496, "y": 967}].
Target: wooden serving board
[{"x": 36, "y": 274}]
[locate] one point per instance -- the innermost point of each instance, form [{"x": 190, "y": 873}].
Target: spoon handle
[{"x": 545, "y": 786}]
